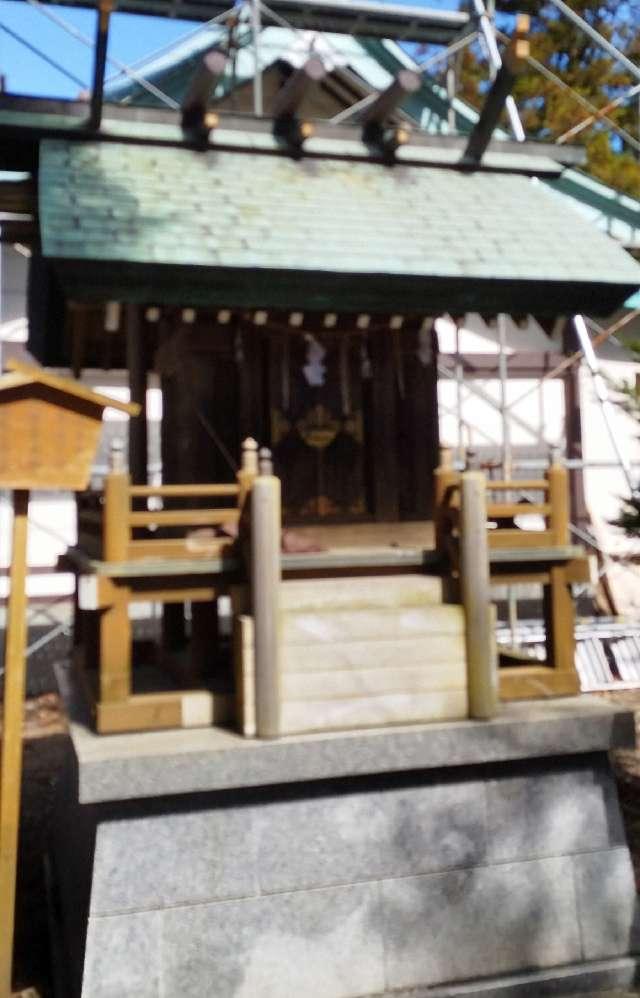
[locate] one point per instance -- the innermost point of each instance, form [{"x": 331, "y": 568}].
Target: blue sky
[{"x": 131, "y": 38}]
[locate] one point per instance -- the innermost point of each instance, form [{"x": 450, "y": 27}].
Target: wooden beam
[
  {"x": 194, "y": 105},
  {"x": 286, "y": 124},
  {"x": 376, "y": 130},
  {"x": 290, "y": 96},
  {"x": 513, "y": 62},
  {"x": 137, "y": 365},
  {"x": 407, "y": 82},
  {"x": 102, "y": 40}
]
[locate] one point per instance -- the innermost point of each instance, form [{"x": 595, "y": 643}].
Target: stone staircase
[{"x": 362, "y": 652}]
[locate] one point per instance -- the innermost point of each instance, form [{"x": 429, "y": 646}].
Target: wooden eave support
[
  {"x": 376, "y": 130},
  {"x": 102, "y": 40},
  {"x": 195, "y": 117},
  {"x": 513, "y": 61},
  {"x": 286, "y": 124}
]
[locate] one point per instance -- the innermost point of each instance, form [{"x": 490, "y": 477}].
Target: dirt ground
[{"x": 44, "y": 745}]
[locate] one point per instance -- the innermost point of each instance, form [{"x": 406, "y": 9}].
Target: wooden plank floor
[{"x": 418, "y": 535}]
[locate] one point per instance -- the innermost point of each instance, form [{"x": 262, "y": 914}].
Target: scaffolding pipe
[
  {"x": 575, "y": 96},
  {"x": 599, "y": 39},
  {"x": 507, "y": 458},
  {"x": 450, "y": 50},
  {"x": 568, "y": 362},
  {"x": 598, "y": 115},
  {"x": 602, "y": 394},
  {"x": 122, "y": 66},
  {"x": 256, "y": 29},
  {"x": 486, "y": 29},
  {"x": 459, "y": 376}
]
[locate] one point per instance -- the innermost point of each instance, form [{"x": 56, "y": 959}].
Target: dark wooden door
[{"x": 319, "y": 420}]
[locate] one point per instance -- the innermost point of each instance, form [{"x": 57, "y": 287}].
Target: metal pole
[
  {"x": 452, "y": 86},
  {"x": 256, "y": 28},
  {"x": 507, "y": 461},
  {"x": 504, "y": 404},
  {"x": 456, "y": 46},
  {"x": 459, "y": 385},
  {"x": 599, "y": 39},
  {"x": 486, "y": 29},
  {"x": 100, "y": 62},
  {"x": 602, "y": 395}
]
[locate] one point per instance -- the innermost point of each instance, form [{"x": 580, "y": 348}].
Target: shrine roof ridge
[{"x": 34, "y": 119}]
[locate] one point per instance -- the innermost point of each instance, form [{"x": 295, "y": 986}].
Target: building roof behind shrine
[{"x": 250, "y": 226}]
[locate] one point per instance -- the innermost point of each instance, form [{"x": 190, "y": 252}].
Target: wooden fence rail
[
  {"x": 112, "y": 528},
  {"x": 518, "y": 554}
]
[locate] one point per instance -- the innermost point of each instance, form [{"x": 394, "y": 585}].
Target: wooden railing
[
  {"x": 503, "y": 532},
  {"x": 112, "y": 527},
  {"x": 516, "y": 555}
]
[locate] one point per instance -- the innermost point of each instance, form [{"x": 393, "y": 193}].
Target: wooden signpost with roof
[{"x": 49, "y": 431}]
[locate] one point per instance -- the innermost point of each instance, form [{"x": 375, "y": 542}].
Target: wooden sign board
[{"x": 49, "y": 429}]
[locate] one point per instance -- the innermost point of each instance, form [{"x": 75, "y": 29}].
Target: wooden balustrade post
[
  {"x": 480, "y": 641},
  {"x": 117, "y": 506},
  {"x": 114, "y": 626},
  {"x": 559, "y": 609},
  {"x": 265, "y": 586},
  {"x": 248, "y": 470},
  {"x": 558, "y": 480},
  {"x": 444, "y": 476}
]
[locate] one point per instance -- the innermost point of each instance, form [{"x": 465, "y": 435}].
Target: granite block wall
[{"x": 360, "y": 887}]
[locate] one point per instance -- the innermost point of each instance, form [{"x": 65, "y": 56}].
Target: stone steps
[
  {"x": 307, "y": 627},
  {"x": 362, "y": 652},
  {"x": 360, "y": 593},
  {"x": 374, "y": 654}
]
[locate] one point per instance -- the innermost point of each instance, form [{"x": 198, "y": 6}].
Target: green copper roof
[{"x": 253, "y": 214}]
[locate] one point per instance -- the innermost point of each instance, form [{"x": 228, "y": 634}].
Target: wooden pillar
[
  {"x": 115, "y": 637},
  {"x": 176, "y": 444},
  {"x": 559, "y": 617},
  {"x": 419, "y": 420},
  {"x": 444, "y": 476},
  {"x": 137, "y": 367},
  {"x": 117, "y": 507},
  {"x": 558, "y": 521},
  {"x": 382, "y": 456},
  {"x": 559, "y": 609},
  {"x": 265, "y": 584},
  {"x": 12, "y": 719},
  {"x": 482, "y": 669},
  {"x": 573, "y": 430}
]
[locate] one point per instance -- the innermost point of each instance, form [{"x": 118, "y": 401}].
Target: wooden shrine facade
[{"x": 347, "y": 403}]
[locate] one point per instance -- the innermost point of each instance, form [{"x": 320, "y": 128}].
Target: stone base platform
[{"x": 451, "y": 859}]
